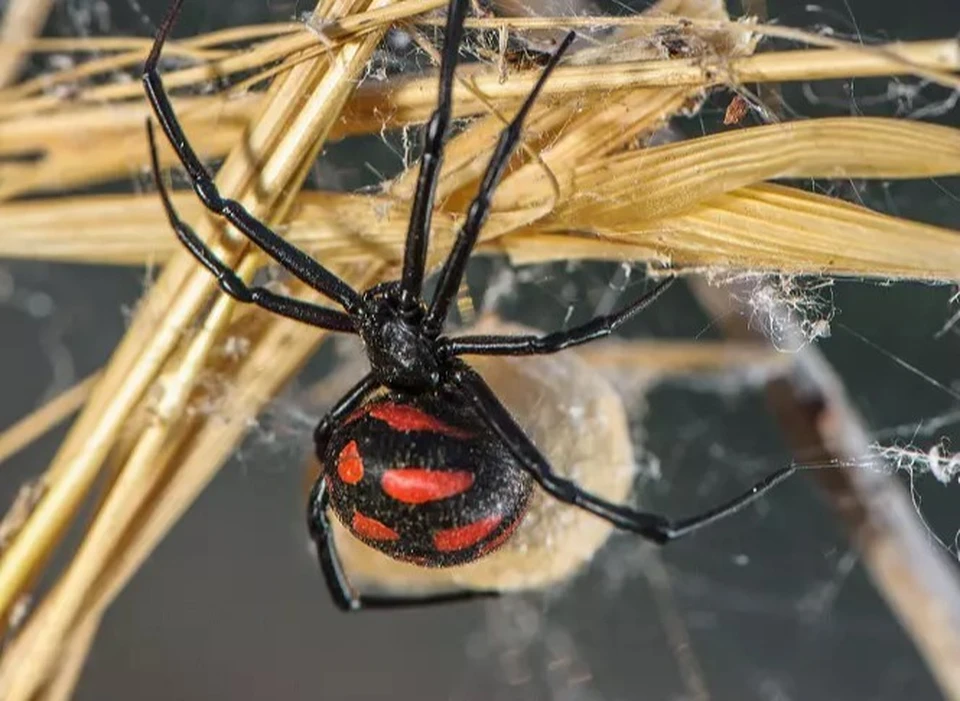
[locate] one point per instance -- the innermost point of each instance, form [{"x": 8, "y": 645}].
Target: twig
[
  {"x": 22, "y": 19},
  {"x": 675, "y": 628},
  {"x": 31, "y": 427},
  {"x": 912, "y": 574},
  {"x": 268, "y": 167}
]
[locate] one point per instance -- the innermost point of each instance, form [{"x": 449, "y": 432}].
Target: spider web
[{"x": 771, "y": 605}]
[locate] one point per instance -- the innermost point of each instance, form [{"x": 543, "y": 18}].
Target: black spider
[{"x": 434, "y": 470}]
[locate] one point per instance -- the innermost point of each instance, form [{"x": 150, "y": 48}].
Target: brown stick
[
  {"x": 910, "y": 571},
  {"x": 30, "y": 428},
  {"x": 23, "y": 19}
]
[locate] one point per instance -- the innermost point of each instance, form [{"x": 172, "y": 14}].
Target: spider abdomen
[{"x": 423, "y": 480}]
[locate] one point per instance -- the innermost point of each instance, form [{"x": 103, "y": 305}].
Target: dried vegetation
[{"x": 585, "y": 186}]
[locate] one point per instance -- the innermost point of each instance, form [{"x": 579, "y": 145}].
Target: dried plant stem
[
  {"x": 31, "y": 427},
  {"x": 21, "y": 19},
  {"x": 197, "y": 47},
  {"x": 76, "y": 650},
  {"x": 914, "y": 576},
  {"x": 303, "y": 45},
  {"x": 769, "y": 30},
  {"x": 409, "y": 100},
  {"x": 412, "y": 95},
  {"x": 280, "y": 353},
  {"x": 289, "y": 127},
  {"x": 292, "y": 39},
  {"x": 78, "y": 462},
  {"x": 42, "y": 642},
  {"x": 756, "y": 227},
  {"x": 115, "y": 132}
]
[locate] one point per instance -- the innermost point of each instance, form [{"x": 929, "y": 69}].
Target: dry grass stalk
[
  {"x": 649, "y": 21},
  {"x": 168, "y": 449},
  {"x": 931, "y": 60},
  {"x": 636, "y": 67},
  {"x": 693, "y": 203},
  {"x": 305, "y": 106},
  {"x": 291, "y": 46},
  {"x": 663, "y": 359},
  {"x": 198, "y": 451},
  {"x": 21, "y": 19},
  {"x": 115, "y": 131},
  {"x": 917, "y": 579},
  {"x": 218, "y": 122},
  {"x": 31, "y": 427}
]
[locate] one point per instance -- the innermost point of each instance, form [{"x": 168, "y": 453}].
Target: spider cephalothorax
[
  {"x": 402, "y": 355},
  {"x": 436, "y": 471}
]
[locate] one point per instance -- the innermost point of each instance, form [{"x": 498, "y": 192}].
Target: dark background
[{"x": 774, "y": 600}]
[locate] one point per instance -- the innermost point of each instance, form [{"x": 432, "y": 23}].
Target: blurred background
[{"x": 770, "y": 605}]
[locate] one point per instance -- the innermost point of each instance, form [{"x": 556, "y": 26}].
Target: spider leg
[
  {"x": 343, "y": 594},
  {"x": 651, "y": 526},
  {"x": 594, "y": 329},
  {"x": 290, "y": 257},
  {"x": 418, "y": 232},
  {"x": 347, "y": 403},
  {"x": 452, "y": 272},
  {"x": 229, "y": 281}
]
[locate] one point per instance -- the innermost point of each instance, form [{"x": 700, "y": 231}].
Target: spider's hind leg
[
  {"x": 651, "y": 526},
  {"x": 344, "y": 596}
]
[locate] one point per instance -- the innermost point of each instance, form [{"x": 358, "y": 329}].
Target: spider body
[
  {"x": 577, "y": 417},
  {"x": 422, "y": 479},
  {"x": 440, "y": 429},
  {"x": 401, "y": 354}
]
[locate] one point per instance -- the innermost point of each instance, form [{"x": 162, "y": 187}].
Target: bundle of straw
[{"x": 582, "y": 187}]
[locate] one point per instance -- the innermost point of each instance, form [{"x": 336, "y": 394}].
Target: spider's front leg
[
  {"x": 292, "y": 259},
  {"x": 451, "y": 274},
  {"x": 229, "y": 281}
]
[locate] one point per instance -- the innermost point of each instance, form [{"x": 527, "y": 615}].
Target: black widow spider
[{"x": 433, "y": 471}]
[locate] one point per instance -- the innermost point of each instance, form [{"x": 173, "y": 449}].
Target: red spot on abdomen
[
  {"x": 350, "y": 464},
  {"x": 463, "y": 537},
  {"x": 372, "y": 528},
  {"x": 416, "y": 486},
  {"x": 402, "y": 417},
  {"x": 501, "y": 539}
]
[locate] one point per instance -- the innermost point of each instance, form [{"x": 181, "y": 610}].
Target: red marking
[
  {"x": 350, "y": 464},
  {"x": 371, "y": 528},
  {"x": 508, "y": 531},
  {"x": 402, "y": 417},
  {"x": 463, "y": 537},
  {"x": 500, "y": 539},
  {"x": 416, "y": 486},
  {"x": 358, "y": 413}
]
